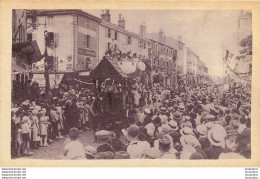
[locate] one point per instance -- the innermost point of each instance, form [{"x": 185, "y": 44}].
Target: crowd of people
[{"x": 182, "y": 122}]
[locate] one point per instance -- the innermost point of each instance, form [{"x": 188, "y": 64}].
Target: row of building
[{"x": 81, "y": 40}]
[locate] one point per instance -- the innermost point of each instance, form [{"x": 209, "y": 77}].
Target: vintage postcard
[{"x": 130, "y": 84}]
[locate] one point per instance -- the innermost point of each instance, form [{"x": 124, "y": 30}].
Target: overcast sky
[{"x": 204, "y": 32}]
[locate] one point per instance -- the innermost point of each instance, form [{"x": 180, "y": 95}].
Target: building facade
[
  {"x": 24, "y": 50},
  {"x": 163, "y": 61},
  {"x": 116, "y": 37},
  {"x": 76, "y": 40}
]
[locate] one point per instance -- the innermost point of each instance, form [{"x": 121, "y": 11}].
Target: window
[
  {"x": 109, "y": 33},
  {"x": 167, "y": 63},
  {"x": 144, "y": 45},
  {"x": 129, "y": 40},
  {"x": 154, "y": 61},
  {"x": 86, "y": 41},
  {"x": 140, "y": 43},
  {"x": 87, "y": 23},
  {"x": 108, "y": 46},
  {"x": 87, "y": 62},
  {"x": 116, "y": 37}
]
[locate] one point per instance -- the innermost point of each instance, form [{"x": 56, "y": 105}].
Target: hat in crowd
[
  {"x": 90, "y": 150},
  {"x": 231, "y": 155},
  {"x": 186, "y": 118},
  {"x": 217, "y": 135},
  {"x": 105, "y": 155},
  {"x": 209, "y": 124},
  {"x": 181, "y": 107},
  {"x": 196, "y": 156},
  {"x": 189, "y": 140},
  {"x": 187, "y": 124},
  {"x": 133, "y": 131},
  {"x": 34, "y": 112},
  {"x": 152, "y": 153},
  {"x": 42, "y": 111},
  {"x": 173, "y": 124},
  {"x": 164, "y": 119},
  {"x": 103, "y": 134},
  {"x": 31, "y": 108},
  {"x": 210, "y": 117},
  {"x": 25, "y": 119},
  {"x": 147, "y": 110},
  {"x": 177, "y": 115},
  {"x": 122, "y": 155},
  {"x": 163, "y": 109},
  {"x": 202, "y": 129},
  {"x": 186, "y": 131}
]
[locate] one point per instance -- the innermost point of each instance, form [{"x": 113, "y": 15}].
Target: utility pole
[{"x": 46, "y": 65}]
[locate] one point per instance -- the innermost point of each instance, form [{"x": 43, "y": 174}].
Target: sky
[{"x": 204, "y": 32}]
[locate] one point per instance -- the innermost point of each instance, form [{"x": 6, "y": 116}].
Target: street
[{"x": 55, "y": 149}]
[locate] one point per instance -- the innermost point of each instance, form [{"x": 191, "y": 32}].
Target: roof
[
  {"x": 108, "y": 69},
  {"x": 122, "y": 30},
  {"x": 41, "y": 12}
]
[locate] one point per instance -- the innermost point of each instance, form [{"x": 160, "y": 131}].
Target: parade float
[{"x": 114, "y": 79}]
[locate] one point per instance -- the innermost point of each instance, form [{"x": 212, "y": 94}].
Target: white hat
[
  {"x": 90, "y": 150},
  {"x": 173, "y": 124},
  {"x": 186, "y": 131},
  {"x": 147, "y": 110},
  {"x": 25, "y": 119},
  {"x": 164, "y": 119},
  {"x": 202, "y": 129},
  {"x": 217, "y": 135},
  {"x": 189, "y": 140}
]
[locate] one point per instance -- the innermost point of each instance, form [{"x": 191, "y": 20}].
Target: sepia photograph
[{"x": 90, "y": 84}]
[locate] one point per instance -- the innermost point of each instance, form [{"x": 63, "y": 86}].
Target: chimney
[
  {"x": 142, "y": 30},
  {"x": 121, "y": 22},
  {"x": 161, "y": 36},
  {"x": 106, "y": 16}
]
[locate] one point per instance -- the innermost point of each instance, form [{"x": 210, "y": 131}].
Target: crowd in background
[{"x": 184, "y": 122}]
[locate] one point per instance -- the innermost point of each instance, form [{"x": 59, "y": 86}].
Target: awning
[{"x": 30, "y": 49}]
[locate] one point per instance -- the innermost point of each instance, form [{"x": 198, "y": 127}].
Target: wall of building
[
  {"x": 63, "y": 26},
  {"x": 87, "y": 46},
  {"x": 135, "y": 46},
  {"x": 19, "y": 25}
]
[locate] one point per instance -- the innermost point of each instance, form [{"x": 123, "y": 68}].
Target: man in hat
[
  {"x": 217, "y": 136},
  {"x": 165, "y": 147},
  {"x": 122, "y": 155},
  {"x": 90, "y": 152},
  {"x": 102, "y": 138},
  {"x": 136, "y": 147},
  {"x": 147, "y": 118}
]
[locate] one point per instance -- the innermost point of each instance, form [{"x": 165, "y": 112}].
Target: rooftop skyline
[{"x": 204, "y": 32}]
